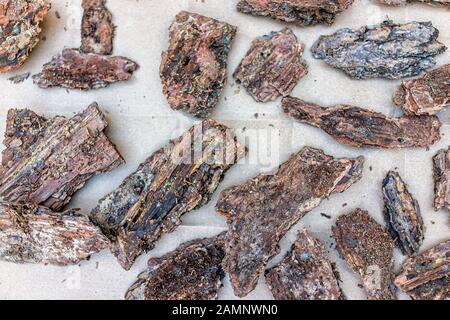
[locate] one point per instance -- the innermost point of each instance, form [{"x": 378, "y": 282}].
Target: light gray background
[{"x": 141, "y": 122}]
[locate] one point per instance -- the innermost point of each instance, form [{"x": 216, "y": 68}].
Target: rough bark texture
[
  {"x": 194, "y": 68},
  {"x": 192, "y": 272},
  {"x": 427, "y": 276},
  {"x": 402, "y": 214},
  {"x": 76, "y": 70},
  {"x": 172, "y": 182},
  {"x": 262, "y": 210},
  {"x": 442, "y": 179},
  {"x": 97, "y": 29},
  {"x": 19, "y": 30},
  {"x": 426, "y": 95},
  {"x": 387, "y": 50},
  {"x": 368, "y": 250},
  {"x": 300, "y": 12},
  {"x": 272, "y": 66},
  {"x": 441, "y": 3},
  {"x": 305, "y": 273},
  {"x": 47, "y": 160},
  {"x": 33, "y": 234},
  {"x": 361, "y": 128}
]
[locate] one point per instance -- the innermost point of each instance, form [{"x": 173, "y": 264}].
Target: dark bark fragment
[
  {"x": 402, "y": 214},
  {"x": 97, "y": 29},
  {"x": 47, "y": 160},
  {"x": 194, "y": 68},
  {"x": 305, "y": 273},
  {"x": 300, "y": 12},
  {"x": 262, "y": 210},
  {"x": 33, "y": 234},
  {"x": 173, "y": 181},
  {"x": 76, "y": 70},
  {"x": 362, "y": 128},
  {"x": 427, "y": 276},
  {"x": 19, "y": 30},
  {"x": 19, "y": 78},
  {"x": 441, "y": 163},
  {"x": 368, "y": 250},
  {"x": 439, "y": 3},
  {"x": 192, "y": 272},
  {"x": 272, "y": 66},
  {"x": 387, "y": 50},
  {"x": 426, "y": 95}
]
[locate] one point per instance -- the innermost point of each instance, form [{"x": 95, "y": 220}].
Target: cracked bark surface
[{"x": 261, "y": 211}]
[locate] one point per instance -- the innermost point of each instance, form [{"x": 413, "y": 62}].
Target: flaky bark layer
[
  {"x": 441, "y": 162},
  {"x": 19, "y": 30},
  {"x": 305, "y": 273},
  {"x": 261, "y": 211},
  {"x": 427, "y": 276},
  {"x": 426, "y": 95},
  {"x": 194, "y": 68},
  {"x": 73, "y": 69},
  {"x": 47, "y": 160},
  {"x": 170, "y": 183},
  {"x": 361, "y": 128},
  {"x": 402, "y": 214},
  {"x": 368, "y": 250},
  {"x": 299, "y": 12},
  {"x": 386, "y": 50},
  {"x": 97, "y": 29},
  {"x": 33, "y": 234},
  {"x": 192, "y": 272},
  {"x": 272, "y": 66}
]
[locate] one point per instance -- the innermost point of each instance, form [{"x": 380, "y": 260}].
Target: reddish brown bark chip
[
  {"x": 194, "y": 68},
  {"x": 76, "y": 70},
  {"x": 262, "y": 210},
  {"x": 33, "y": 234},
  {"x": 368, "y": 250},
  {"x": 442, "y": 3},
  {"x": 362, "y": 128},
  {"x": 47, "y": 160},
  {"x": 305, "y": 273},
  {"x": 426, "y": 95},
  {"x": 173, "y": 181},
  {"x": 272, "y": 66},
  {"x": 19, "y": 30},
  {"x": 300, "y": 12},
  {"x": 192, "y": 272},
  {"x": 427, "y": 276},
  {"x": 97, "y": 29},
  {"x": 402, "y": 214},
  {"x": 441, "y": 163}
]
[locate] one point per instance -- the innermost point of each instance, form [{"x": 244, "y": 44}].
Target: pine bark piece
[
  {"x": 305, "y": 273},
  {"x": 261, "y": 211},
  {"x": 194, "y": 68},
  {"x": 368, "y": 249},
  {"x": 19, "y": 30},
  {"x": 427, "y": 276},
  {"x": 35, "y": 234},
  {"x": 47, "y": 160},
  {"x": 300, "y": 12},
  {"x": 192, "y": 272},
  {"x": 73, "y": 69},
  {"x": 397, "y": 3},
  {"x": 173, "y": 181},
  {"x": 441, "y": 162},
  {"x": 402, "y": 214},
  {"x": 387, "y": 50},
  {"x": 272, "y": 66},
  {"x": 97, "y": 29},
  {"x": 362, "y": 128},
  {"x": 426, "y": 95}
]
